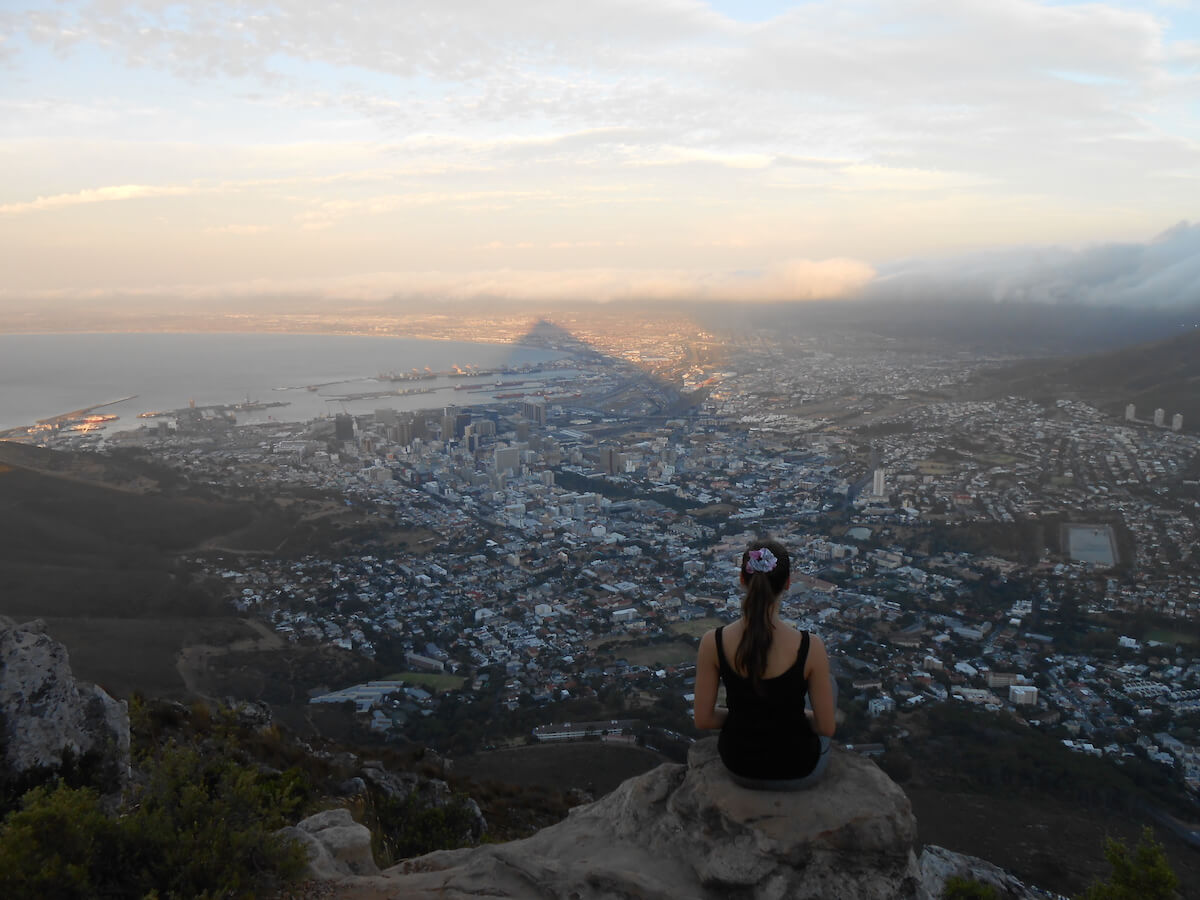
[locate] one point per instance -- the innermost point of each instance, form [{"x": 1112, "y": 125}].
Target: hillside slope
[{"x": 1162, "y": 374}]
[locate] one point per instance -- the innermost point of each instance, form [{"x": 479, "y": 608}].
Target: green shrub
[
  {"x": 1140, "y": 874},
  {"x": 200, "y": 827},
  {"x": 56, "y": 844},
  {"x": 405, "y": 828}
]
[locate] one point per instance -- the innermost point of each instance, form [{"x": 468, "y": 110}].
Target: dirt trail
[{"x": 194, "y": 659}]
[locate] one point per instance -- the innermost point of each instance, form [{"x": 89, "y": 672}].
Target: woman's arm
[
  {"x": 820, "y": 688},
  {"x": 705, "y": 711}
]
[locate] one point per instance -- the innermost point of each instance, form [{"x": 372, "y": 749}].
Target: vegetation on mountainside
[
  {"x": 198, "y": 821},
  {"x": 988, "y": 752},
  {"x": 199, "y": 827},
  {"x": 211, "y": 788},
  {"x": 1142, "y": 873}
]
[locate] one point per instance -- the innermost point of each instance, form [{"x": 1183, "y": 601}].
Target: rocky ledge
[
  {"x": 688, "y": 831},
  {"x": 49, "y": 720}
]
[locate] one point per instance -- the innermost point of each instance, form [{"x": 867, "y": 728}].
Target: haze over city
[{"x": 186, "y": 154}]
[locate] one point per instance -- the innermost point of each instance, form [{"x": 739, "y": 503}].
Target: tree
[{"x": 1140, "y": 874}]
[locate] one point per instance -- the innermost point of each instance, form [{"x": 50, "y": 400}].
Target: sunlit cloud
[
  {"x": 793, "y": 280},
  {"x": 614, "y": 138},
  {"x": 94, "y": 195}
]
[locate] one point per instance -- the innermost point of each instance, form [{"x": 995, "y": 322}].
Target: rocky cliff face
[
  {"x": 48, "y": 719},
  {"x": 688, "y": 831}
]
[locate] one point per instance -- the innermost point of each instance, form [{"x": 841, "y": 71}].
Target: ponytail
[{"x": 763, "y": 586}]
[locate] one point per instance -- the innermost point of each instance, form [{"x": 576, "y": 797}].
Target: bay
[{"x": 47, "y": 375}]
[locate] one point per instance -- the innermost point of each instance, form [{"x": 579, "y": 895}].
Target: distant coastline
[{"x": 308, "y": 375}]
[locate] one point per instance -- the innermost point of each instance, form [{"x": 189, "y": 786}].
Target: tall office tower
[
  {"x": 1177, "y": 422},
  {"x": 343, "y": 427},
  {"x": 417, "y": 425},
  {"x": 522, "y": 430},
  {"x": 454, "y": 423},
  {"x": 1130, "y": 412},
  {"x": 1160, "y": 417},
  {"x": 508, "y": 458},
  {"x": 610, "y": 460},
  {"x": 535, "y": 411},
  {"x": 879, "y": 484}
]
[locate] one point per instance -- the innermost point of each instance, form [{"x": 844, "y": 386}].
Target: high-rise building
[
  {"x": 343, "y": 427},
  {"x": 418, "y": 426},
  {"x": 1130, "y": 412},
  {"x": 454, "y": 423},
  {"x": 879, "y": 484},
  {"x": 610, "y": 460},
  {"x": 535, "y": 411},
  {"x": 1177, "y": 422},
  {"x": 1160, "y": 417},
  {"x": 508, "y": 459}
]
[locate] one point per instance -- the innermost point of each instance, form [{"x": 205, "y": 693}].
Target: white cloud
[
  {"x": 786, "y": 281},
  {"x": 95, "y": 195},
  {"x": 842, "y": 128},
  {"x": 1162, "y": 272}
]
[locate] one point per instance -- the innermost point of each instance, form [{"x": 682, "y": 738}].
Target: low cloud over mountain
[{"x": 1162, "y": 272}]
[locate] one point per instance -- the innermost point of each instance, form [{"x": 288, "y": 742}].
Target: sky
[{"x": 609, "y": 149}]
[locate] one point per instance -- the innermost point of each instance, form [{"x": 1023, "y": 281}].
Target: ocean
[{"x": 47, "y": 375}]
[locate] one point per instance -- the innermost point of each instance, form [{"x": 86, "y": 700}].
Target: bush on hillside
[
  {"x": 201, "y": 826},
  {"x": 401, "y": 829},
  {"x": 1139, "y": 874}
]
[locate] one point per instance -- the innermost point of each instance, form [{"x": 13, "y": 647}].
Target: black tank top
[{"x": 766, "y": 734}]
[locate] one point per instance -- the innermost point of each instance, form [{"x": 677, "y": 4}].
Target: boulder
[
  {"x": 689, "y": 831},
  {"x": 938, "y": 865},
  {"x": 336, "y": 845},
  {"x": 48, "y": 719}
]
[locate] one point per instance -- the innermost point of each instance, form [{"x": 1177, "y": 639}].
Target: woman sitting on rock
[{"x": 769, "y": 741}]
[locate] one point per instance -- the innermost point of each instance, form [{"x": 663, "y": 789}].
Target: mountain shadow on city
[{"x": 642, "y": 389}]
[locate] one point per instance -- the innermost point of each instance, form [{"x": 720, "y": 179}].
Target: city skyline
[{"x": 186, "y": 153}]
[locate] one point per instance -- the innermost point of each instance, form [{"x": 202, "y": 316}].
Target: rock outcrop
[
  {"x": 688, "y": 831},
  {"x": 336, "y": 845},
  {"x": 48, "y": 719},
  {"x": 938, "y": 865},
  {"x": 425, "y": 792}
]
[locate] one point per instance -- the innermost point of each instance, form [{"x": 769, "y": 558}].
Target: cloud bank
[
  {"x": 1161, "y": 273},
  {"x": 790, "y": 281},
  {"x": 1164, "y": 272}
]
